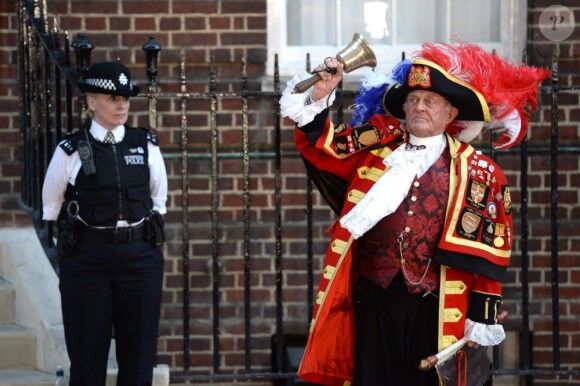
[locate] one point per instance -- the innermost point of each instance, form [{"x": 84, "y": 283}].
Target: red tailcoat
[{"x": 474, "y": 250}]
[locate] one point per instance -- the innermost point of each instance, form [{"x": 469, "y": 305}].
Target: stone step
[
  {"x": 25, "y": 378},
  {"x": 17, "y": 348},
  {"x": 7, "y": 296}
]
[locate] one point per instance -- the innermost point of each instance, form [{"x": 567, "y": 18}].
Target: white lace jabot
[{"x": 385, "y": 196}]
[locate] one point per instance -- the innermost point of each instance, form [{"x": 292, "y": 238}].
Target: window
[{"x": 324, "y": 27}]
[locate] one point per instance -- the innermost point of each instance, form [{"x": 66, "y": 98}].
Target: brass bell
[{"x": 357, "y": 54}]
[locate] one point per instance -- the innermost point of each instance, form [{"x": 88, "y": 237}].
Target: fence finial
[
  {"x": 152, "y": 49},
  {"x": 83, "y": 48}
]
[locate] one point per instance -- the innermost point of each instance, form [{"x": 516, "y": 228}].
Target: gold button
[
  {"x": 350, "y": 194},
  {"x": 407, "y": 229},
  {"x": 405, "y": 245},
  {"x": 413, "y": 198},
  {"x": 410, "y": 213},
  {"x": 364, "y": 172},
  {"x": 416, "y": 184}
]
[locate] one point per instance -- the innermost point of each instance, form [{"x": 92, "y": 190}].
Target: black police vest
[{"x": 119, "y": 190}]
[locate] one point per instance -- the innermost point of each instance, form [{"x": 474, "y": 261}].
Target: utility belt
[
  {"x": 71, "y": 229},
  {"x": 113, "y": 235}
]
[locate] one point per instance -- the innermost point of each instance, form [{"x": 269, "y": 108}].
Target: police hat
[
  {"x": 429, "y": 76},
  {"x": 110, "y": 78}
]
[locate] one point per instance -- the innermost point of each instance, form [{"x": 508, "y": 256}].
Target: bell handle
[{"x": 306, "y": 84}]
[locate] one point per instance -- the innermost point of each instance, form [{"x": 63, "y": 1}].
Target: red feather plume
[{"x": 507, "y": 88}]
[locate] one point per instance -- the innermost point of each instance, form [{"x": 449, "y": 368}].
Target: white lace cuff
[
  {"x": 484, "y": 334},
  {"x": 295, "y": 107}
]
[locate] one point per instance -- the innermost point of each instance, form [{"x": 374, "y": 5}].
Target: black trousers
[
  {"x": 105, "y": 289},
  {"x": 394, "y": 330}
]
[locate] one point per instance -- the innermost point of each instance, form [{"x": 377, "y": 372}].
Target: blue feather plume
[
  {"x": 401, "y": 71},
  {"x": 370, "y": 99},
  {"x": 368, "y": 103}
]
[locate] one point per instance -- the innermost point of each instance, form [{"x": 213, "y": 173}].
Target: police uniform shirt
[{"x": 63, "y": 169}]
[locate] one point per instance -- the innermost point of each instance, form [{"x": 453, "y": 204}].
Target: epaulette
[
  {"x": 152, "y": 137},
  {"x": 69, "y": 144}
]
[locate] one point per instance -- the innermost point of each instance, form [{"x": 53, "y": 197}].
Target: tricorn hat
[
  {"x": 429, "y": 76},
  {"x": 488, "y": 91},
  {"x": 111, "y": 78}
]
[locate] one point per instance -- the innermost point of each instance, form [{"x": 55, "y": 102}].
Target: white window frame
[{"x": 292, "y": 59}]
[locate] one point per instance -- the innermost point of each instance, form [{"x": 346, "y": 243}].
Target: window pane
[
  {"x": 484, "y": 15},
  {"x": 417, "y": 21},
  {"x": 311, "y": 22},
  {"x": 387, "y": 22},
  {"x": 369, "y": 18},
  {"x": 351, "y": 20}
]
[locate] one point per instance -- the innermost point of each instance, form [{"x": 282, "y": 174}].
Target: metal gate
[{"x": 50, "y": 109}]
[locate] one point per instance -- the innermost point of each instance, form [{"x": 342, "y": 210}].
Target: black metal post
[
  {"x": 83, "y": 48},
  {"x": 152, "y": 49},
  {"x": 525, "y": 262},
  {"x": 554, "y": 214},
  {"x": 214, "y": 215},
  {"x": 278, "y": 230},
  {"x": 184, "y": 220},
  {"x": 246, "y": 220}
]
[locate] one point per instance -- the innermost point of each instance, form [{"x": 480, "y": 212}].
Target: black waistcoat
[{"x": 119, "y": 190}]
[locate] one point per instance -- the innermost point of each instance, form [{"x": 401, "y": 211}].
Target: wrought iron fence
[{"x": 49, "y": 110}]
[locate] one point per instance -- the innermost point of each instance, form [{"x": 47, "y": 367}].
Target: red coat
[{"x": 474, "y": 250}]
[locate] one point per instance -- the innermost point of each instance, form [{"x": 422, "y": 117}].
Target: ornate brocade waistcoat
[{"x": 412, "y": 231}]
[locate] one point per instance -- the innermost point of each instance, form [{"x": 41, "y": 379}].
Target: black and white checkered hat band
[
  {"x": 108, "y": 78},
  {"x": 106, "y": 84}
]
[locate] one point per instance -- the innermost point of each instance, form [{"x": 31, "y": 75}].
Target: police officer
[{"x": 107, "y": 186}]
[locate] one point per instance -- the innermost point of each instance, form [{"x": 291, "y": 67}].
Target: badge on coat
[
  {"x": 488, "y": 232},
  {"x": 469, "y": 224},
  {"x": 364, "y": 136},
  {"x": 500, "y": 233},
  {"x": 135, "y": 156},
  {"x": 477, "y": 194},
  {"x": 134, "y": 160},
  {"x": 492, "y": 209},
  {"x": 507, "y": 199}
]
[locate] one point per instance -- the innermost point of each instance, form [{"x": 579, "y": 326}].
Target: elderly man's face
[{"x": 427, "y": 113}]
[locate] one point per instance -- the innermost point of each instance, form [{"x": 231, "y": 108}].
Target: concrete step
[
  {"x": 25, "y": 378},
  {"x": 7, "y": 296},
  {"x": 17, "y": 348}
]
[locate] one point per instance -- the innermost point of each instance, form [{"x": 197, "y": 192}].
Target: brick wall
[
  {"x": 229, "y": 30},
  {"x": 10, "y": 212},
  {"x": 540, "y": 51}
]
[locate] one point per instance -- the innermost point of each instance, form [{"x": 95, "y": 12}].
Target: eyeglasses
[{"x": 430, "y": 101}]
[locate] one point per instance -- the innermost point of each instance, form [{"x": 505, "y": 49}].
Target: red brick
[
  {"x": 220, "y": 22},
  {"x": 7, "y": 7},
  {"x": 195, "y": 6},
  {"x": 132, "y": 7},
  {"x": 195, "y": 24},
  {"x": 195, "y": 39},
  {"x": 257, "y": 23},
  {"x": 88, "y": 7},
  {"x": 146, "y": 24},
  {"x": 245, "y": 38},
  {"x": 248, "y": 6}
]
